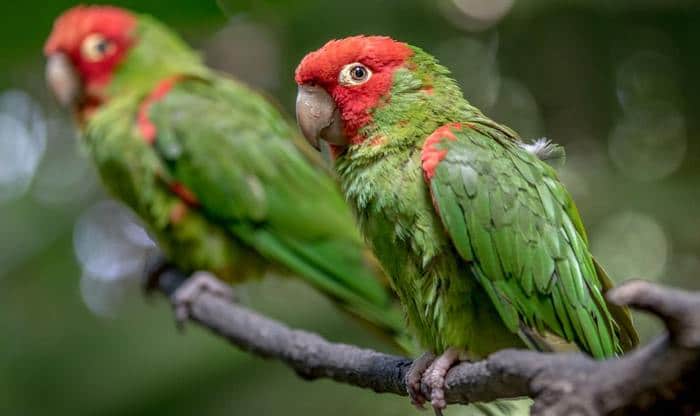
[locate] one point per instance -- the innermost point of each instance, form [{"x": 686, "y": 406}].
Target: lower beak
[
  {"x": 63, "y": 80},
  {"x": 318, "y": 117}
]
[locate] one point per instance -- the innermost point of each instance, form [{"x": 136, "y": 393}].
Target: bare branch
[{"x": 662, "y": 377}]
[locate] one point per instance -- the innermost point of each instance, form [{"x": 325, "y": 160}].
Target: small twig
[{"x": 663, "y": 376}]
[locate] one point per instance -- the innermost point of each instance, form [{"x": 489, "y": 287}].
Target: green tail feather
[{"x": 629, "y": 337}]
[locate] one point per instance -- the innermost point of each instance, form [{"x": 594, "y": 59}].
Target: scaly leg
[
  {"x": 198, "y": 283},
  {"x": 414, "y": 377},
  {"x": 434, "y": 378}
]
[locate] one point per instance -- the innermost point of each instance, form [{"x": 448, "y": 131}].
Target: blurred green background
[{"x": 615, "y": 81}]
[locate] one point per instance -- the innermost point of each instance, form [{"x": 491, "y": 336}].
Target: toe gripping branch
[{"x": 183, "y": 290}]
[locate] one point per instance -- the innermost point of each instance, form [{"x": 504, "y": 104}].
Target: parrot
[
  {"x": 219, "y": 176},
  {"x": 481, "y": 240}
]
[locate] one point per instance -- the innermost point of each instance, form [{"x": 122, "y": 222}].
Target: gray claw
[{"x": 185, "y": 295}]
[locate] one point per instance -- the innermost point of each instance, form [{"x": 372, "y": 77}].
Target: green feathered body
[
  {"x": 223, "y": 185},
  {"x": 483, "y": 244}
]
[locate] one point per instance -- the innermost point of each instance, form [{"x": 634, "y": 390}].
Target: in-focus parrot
[
  {"x": 209, "y": 165},
  {"x": 481, "y": 240}
]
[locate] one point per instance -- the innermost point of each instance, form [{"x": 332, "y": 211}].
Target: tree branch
[{"x": 661, "y": 377}]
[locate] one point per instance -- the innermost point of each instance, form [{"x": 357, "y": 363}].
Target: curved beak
[
  {"x": 63, "y": 80},
  {"x": 318, "y": 117}
]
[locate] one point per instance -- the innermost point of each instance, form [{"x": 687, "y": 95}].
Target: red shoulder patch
[
  {"x": 431, "y": 156},
  {"x": 148, "y": 130},
  {"x": 184, "y": 193}
]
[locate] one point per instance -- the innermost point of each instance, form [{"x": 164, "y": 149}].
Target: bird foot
[
  {"x": 414, "y": 377},
  {"x": 198, "y": 283},
  {"x": 434, "y": 378}
]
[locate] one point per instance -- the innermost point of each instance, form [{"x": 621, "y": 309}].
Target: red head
[
  {"x": 342, "y": 82},
  {"x": 84, "y": 48}
]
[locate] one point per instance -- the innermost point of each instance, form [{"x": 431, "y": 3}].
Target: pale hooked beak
[
  {"x": 63, "y": 80},
  {"x": 318, "y": 117}
]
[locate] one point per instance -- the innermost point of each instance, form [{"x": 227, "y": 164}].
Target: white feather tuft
[{"x": 546, "y": 151}]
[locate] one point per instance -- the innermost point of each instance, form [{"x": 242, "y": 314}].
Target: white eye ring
[
  {"x": 354, "y": 74},
  {"x": 95, "y": 47}
]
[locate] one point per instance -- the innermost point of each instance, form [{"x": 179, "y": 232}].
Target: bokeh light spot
[
  {"x": 108, "y": 242},
  {"x": 103, "y": 297},
  {"x": 475, "y": 15},
  {"x": 649, "y": 143},
  {"x": 631, "y": 245},
  {"x": 647, "y": 76},
  {"x": 22, "y": 142}
]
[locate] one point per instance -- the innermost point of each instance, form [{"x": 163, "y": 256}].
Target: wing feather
[
  {"x": 235, "y": 152},
  {"x": 516, "y": 226}
]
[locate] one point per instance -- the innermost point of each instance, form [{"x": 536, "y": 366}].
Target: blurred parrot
[
  {"x": 220, "y": 177},
  {"x": 481, "y": 240}
]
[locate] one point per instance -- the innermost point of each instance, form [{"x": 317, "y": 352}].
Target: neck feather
[
  {"x": 423, "y": 97},
  {"x": 157, "y": 54}
]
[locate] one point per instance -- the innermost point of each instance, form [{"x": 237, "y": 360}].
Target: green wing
[
  {"x": 234, "y": 152},
  {"x": 514, "y": 222}
]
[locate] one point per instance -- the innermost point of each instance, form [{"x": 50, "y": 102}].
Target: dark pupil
[
  {"x": 102, "y": 47},
  {"x": 358, "y": 72}
]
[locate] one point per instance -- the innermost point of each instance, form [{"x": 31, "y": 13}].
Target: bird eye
[
  {"x": 95, "y": 47},
  {"x": 358, "y": 73},
  {"x": 354, "y": 74}
]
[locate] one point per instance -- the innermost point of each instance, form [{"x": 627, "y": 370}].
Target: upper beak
[
  {"x": 318, "y": 117},
  {"x": 63, "y": 79}
]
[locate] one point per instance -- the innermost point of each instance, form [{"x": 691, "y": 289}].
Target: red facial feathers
[
  {"x": 382, "y": 55},
  {"x": 74, "y": 26}
]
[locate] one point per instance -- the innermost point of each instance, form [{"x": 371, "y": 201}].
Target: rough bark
[{"x": 662, "y": 377}]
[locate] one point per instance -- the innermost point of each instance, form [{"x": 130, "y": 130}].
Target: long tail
[
  {"x": 343, "y": 270},
  {"x": 629, "y": 337}
]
